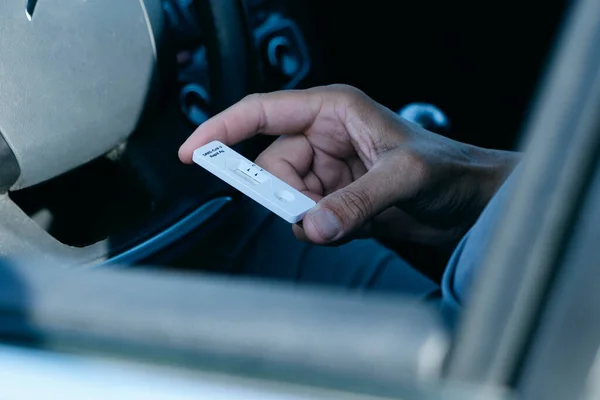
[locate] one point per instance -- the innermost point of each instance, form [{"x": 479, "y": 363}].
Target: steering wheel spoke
[{"x": 78, "y": 78}]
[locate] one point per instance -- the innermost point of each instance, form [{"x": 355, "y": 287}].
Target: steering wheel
[{"x": 76, "y": 79}]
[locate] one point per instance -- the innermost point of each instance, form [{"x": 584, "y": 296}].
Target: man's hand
[{"x": 365, "y": 166}]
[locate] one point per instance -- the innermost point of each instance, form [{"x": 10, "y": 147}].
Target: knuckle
[
  {"x": 253, "y": 97},
  {"x": 355, "y": 204},
  {"x": 372, "y": 146},
  {"x": 342, "y": 87},
  {"x": 255, "y": 101},
  {"x": 346, "y": 90},
  {"x": 382, "y": 145}
]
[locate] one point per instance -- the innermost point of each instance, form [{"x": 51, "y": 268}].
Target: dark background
[{"x": 480, "y": 62}]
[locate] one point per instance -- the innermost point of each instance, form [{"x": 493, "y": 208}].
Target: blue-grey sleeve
[{"x": 468, "y": 256}]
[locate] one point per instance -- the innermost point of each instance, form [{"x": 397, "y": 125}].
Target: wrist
[
  {"x": 495, "y": 167},
  {"x": 475, "y": 175}
]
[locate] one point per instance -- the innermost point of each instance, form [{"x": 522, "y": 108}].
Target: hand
[{"x": 359, "y": 160}]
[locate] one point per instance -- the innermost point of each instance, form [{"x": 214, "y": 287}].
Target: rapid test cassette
[{"x": 252, "y": 180}]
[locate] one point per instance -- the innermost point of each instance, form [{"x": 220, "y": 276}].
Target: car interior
[
  {"x": 101, "y": 179},
  {"x": 104, "y": 287}
]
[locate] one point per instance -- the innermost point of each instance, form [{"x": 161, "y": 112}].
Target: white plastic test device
[{"x": 253, "y": 181}]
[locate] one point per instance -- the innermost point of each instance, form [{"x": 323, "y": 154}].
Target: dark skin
[{"x": 370, "y": 171}]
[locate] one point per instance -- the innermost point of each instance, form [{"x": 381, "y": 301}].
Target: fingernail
[{"x": 326, "y": 223}]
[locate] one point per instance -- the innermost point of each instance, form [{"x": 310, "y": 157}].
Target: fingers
[
  {"x": 278, "y": 113},
  {"x": 289, "y": 158},
  {"x": 345, "y": 211}
]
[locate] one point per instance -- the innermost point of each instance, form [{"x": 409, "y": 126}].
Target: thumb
[{"x": 346, "y": 210}]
